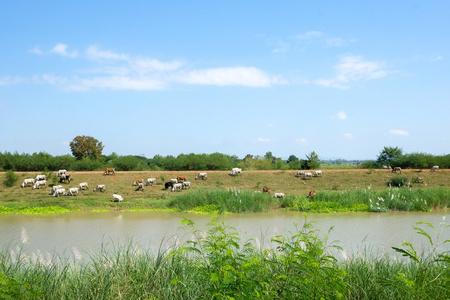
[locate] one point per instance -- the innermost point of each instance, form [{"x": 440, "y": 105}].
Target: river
[{"x": 87, "y": 232}]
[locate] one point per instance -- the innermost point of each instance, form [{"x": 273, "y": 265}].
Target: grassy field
[{"x": 330, "y": 186}]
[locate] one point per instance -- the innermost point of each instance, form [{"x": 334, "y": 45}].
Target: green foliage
[
  {"x": 397, "y": 181},
  {"x": 11, "y": 178},
  {"x": 86, "y": 147},
  {"x": 313, "y": 161},
  {"x": 423, "y": 284},
  {"x": 389, "y": 156}
]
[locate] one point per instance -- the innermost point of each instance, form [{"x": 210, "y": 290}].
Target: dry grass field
[{"x": 278, "y": 181}]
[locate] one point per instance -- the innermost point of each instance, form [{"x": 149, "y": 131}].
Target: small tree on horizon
[
  {"x": 86, "y": 147},
  {"x": 313, "y": 161}
]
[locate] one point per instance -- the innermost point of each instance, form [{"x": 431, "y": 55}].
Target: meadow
[{"x": 336, "y": 190}]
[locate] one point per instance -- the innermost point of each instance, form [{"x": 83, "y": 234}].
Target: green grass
[
  {"x": 337, "y": 190},
  {"x": 217, "y": 264}
]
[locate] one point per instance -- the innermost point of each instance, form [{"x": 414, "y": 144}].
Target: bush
[
  {"x": 11, "y": 178},
  {"x": 397, "y": 181}
]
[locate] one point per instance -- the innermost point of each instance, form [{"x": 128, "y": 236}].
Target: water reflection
[{"x": 88, "y": 232}]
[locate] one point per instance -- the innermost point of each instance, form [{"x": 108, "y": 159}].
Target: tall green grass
[{"x": 217, "y": 264}]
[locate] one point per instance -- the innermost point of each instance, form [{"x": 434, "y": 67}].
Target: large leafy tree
[
  {"x": 86, "y": 147},
  {"x": 312, "y": 161},
  {"x": 389, "y": 156}
]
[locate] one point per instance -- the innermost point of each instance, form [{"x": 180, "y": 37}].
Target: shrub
[
  {"x": 397, "y": 181},
  {"x": 11, "y": 178}
]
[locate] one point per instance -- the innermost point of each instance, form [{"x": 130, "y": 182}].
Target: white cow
[
  {"x": 72, "y": 192},
  {"x": 307, "y": 174},
  {"x": 278, "y": 195},
  {"x": 60, "y": 191},
  {"x": 100, "y": 188},
  {"x": 202, "y": 176},
  {"x": 174, "y": 180},
  {"x": 317, "y": 173},
  {"x": 54, "y": 188},
  {"x": 434, "y": 168},
  {"x": 83, "y": 185},
  {"x": 140, "y": 186},
  {"x": 117, "y": 198},
  {"x": 235, "y": 171},
  {"x": 40, "y": 177},
  {"x": 299, "y": 173},
  {"x": 186, "y": 184},
  {"x": 38, "y": 184},
  {"x": 27, "y": 182},
  {"x": 150, "y": 181},
  {"x": 61, "y": 172},
  {"x": 177, "y": 186}
]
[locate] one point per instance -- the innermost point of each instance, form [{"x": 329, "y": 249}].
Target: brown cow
[
  {"x": 397, "y": 169},
  {"x": 109, "y": 171},
  {"x": 312, "y": 193},
  {"x": 138, "y": 180},
  {"x": 266, "y": 189},
  {"x": 181, "y": 178}
]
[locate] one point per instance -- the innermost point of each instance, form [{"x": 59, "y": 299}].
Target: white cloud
[
  {"x": 8, "y": 80},
  {"x": 353, "y": 69},
  {"x": 398, "y": 132},
  {"x": 245, "y": 76},
  {"x": 281, "y": 47},
  {"x": 309, "y": 35},
  {"x": 270, "y": 125},
  {"x": 118, "y": 83},
  {"x": 335, "y": 42},
  {"x": 437, "y": 58},
  {"x": 36, "y": 50},
  {"x": 93, "y": 52},
  {"x": 341, "y": 115},
  {"x": 263, "y": 140},
  {"x": 302, "y": 141},
  {"x": 61, "y": 49},
  {"x": 348, "y": 136}
]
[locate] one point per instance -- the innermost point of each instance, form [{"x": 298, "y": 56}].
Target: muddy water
[{"x": 88, "y": 232}]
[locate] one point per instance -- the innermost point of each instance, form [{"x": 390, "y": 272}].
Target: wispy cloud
[
  {"x": 9, "y": 80},
  {"x": 112, "y": 70},
  {"x": 263, "y": 140},
  {"x": 348, "y": 136},
  {"x": 342, "y": 115},
  {"x": 61, "y": 49},
  {"x": 309, "y": 35},
  {"x": 398, "y": 132},
  {"x": 353, "y": 68},
  {"x": 302, "y": 141}
]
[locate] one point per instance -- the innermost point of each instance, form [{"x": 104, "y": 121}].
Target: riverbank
[{"x": 336, "y": 190}]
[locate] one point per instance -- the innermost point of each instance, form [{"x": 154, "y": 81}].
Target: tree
[
  {"x": 86, "y": 147},
  {"x": 313, "y": 161},
  {"x": 389, "y": 156}
]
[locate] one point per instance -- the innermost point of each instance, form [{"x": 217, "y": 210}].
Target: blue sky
[{"x": 341, "y": 78}]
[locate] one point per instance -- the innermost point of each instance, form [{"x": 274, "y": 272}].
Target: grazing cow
[
  {"x": 27, "y": 182},
  {"x": 72, "y": 192},
  {"x": 65, "y": 178},
  {"x": 235, "y": 171},
  {"x": 177, "y": 186},
  {"x": 386, "y": 167},
  {"x": 100, "y": 188},
  {"x": 394, "y": 170},
  {"x": 312, "y": 193},
  {"x": 318, "y": 173},
  {"x": 40, "y": 177},
  {"x": 419, "y": 180},
  {"x": 109, "y": 171},
  {"x": 140, "y": 186},
  {"x": 186, "y": 184},
  {"x": 202, "y": 175},
  {"x": 83, "y": 185},
  {"x": 59, "y": 191},
  {"x": 434, "y": 168},
  {"x": 278, "y": 195},
  {"x": 61, "y": 172},
  {"x": 266, "y": 189},
  {"x": 299, "y": 173},
  {"x": 138, "y": 180},
  {"x": 54, "y": 188},
  {"x": 173, "y": 180},
  {"x": 38, "y": 184},
  {"x": 181, "y": 178},
  {"x": 168, "y": 184},
  {"x": 307, "y": 175},
  {"x": 116, "y": 198},
  {"x": 150, "y": 181}
]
